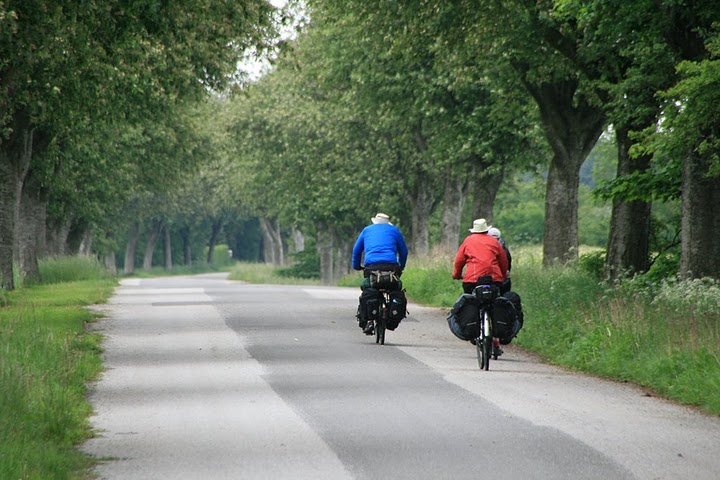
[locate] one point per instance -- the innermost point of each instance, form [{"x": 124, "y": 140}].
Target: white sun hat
[
  {"x": 380, "y": 218},
  {"x": 480, "y": 226}
]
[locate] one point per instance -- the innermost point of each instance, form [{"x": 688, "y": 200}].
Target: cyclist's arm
[{"x": 357, "y": 252}]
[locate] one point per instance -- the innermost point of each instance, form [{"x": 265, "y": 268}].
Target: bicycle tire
[
  {"x": 381, "y": 323},
  {"x": 380, "y": 331},
  {"x": 483, "y": 343},
  {"x": 487, "y": 351}
]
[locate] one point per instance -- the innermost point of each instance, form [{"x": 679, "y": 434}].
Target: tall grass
[
  {"x": 71, "y": 269},
  {"x": 46, "y": 360}
]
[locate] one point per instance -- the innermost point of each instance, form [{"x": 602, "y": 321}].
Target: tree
[
  {"x": 66, "y": 64},
  {"x": 691, "y": 134},
  {"x": 638, "y": 45}
]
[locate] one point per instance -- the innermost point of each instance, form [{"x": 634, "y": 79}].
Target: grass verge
[
  {"x": 47, "y": 357},
  {"x": 664, "y": 336},
  {"x": 265, "y": 274}
]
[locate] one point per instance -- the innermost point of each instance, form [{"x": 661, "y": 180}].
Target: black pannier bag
[
  {"x": 370, "y": 304},
  {"x": 485, "y": 290},
  {"x": 463, "y": 318},
  {"x": 384, "y": 279},
  {"x": 515, "y": 299},
  {"x": 397, "y": 309},
  {"x": 505, "y": 319}
]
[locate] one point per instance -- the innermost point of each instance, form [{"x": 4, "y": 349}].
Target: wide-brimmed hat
[
  {"x": 480, "y": 226},
  {"x": 494, "y": 232},
  {"x": 380, "y": 218}
]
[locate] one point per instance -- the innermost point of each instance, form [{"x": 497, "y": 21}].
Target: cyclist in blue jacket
[{"x": 383, "y": 247}]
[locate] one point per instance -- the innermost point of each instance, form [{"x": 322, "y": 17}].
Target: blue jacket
[{"x": 382, "y": 243}]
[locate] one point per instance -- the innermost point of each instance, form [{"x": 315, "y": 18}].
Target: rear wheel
[
  {"x": 479, "y": 348},
  {"x": 380, "y": 329},
  {"x": 483, "y": 343}
]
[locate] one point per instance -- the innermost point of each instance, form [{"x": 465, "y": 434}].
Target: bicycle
[
  {"x": 485, "y": 294},
  {"x": 391, "y": 307}
]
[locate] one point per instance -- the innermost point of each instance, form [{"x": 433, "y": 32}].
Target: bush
[
  {"x": 222, "y": 256},
  {"x": 665, "y": 266},
  {"x": 593, "y": 263},
  {"x": 307, "y": 265}
]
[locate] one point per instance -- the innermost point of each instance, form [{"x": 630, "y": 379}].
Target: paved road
[{"x": 210, "y": 379}]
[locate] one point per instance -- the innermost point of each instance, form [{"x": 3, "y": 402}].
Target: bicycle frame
[
  {"x": 484, "y": 342},
  {"x": 381, "y": 322}
]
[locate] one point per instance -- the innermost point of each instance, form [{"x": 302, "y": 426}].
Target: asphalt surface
[{"x": 211, "y": 379}]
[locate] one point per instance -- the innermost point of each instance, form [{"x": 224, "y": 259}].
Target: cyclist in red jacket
[{"x": 481, "y": 255}]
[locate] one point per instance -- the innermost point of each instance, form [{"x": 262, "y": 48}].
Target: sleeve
[
  {"x": 503, "y": 261},
  {"x": 402, "y": 249},
  {"x": 357, "y": 251},
  {"x": 459, "y": 262}
]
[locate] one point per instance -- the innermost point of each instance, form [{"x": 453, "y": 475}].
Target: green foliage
[
  {"x": 593, "y": 219},
  {"x": 430, "y": 282},
  {"x": 665, "y": 265},
  {"x": 593, "y": 263},
  {"x": 519, "y": 211},
  {"x": 307, "y": 265},
  {"x": 71, "y": 269},
  {"x": 660, "y": 183},
  {"x": 221, "y": 257},
  {"x": 47, "y": 360},
  {"x": 660, "y": 335}
]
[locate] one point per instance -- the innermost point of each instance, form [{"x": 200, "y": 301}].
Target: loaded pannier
[
  {"x": 515, "y": 299},
  {"x": 397, "y": 309},
  {"x": 505, "y": 319},
  {"x": 463, "y": 318},
  {"x": 369, "y": 304},
  {"x": 384, "y": 280}
]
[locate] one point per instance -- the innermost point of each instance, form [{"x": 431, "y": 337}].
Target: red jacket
[{"x": 482, "y": 255}]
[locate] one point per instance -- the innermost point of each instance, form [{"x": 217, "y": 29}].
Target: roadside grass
[
  {"x": 663, "y": 336},
  {"x": 71, "y": 269},
  {"x": 176, "y": 270},
  {"x": 262, "y": 273},
  {"x": 47, "y": 358}
]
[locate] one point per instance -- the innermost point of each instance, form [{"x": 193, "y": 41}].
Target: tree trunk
[
  {"x": 343, "y": 255},
  {"x": 456, "y": 190},
  {"x": 31, "y": 230},
  {"x": 273, "y": 249},
  {"x": 298, "y": 241},
  {"x": 168, "y": 249},
  {"x": 423, "y": 203},
  {"x": 700, "y": 224},
  {"x": 57, "y": 237},
  {"x": 130, "y": 248},
  {"x": 76, "y": 238},
  {"x": 629, "y": 241},
  {"x": 15, "y": 156},
  {"x": 111, "y": 263},
  {"x": 157, "y": 226},
  {"x": 572, "y": 126},
  {"x": 214, "y": 234},
  {"x": 325, "y": 251},
  {"x": 85, "y": 247},
  {"x": 186, "y": 245},
  {"x": 486, "y": 188}
]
